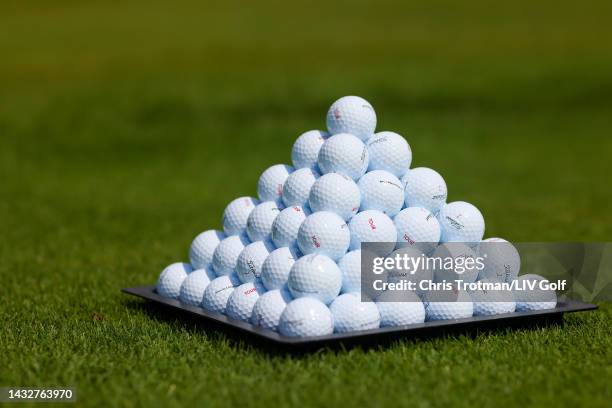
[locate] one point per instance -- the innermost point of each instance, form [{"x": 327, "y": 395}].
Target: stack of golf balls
[{"x": 289, "y": 259}]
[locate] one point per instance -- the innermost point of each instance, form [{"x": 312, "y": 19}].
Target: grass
[{"x": 126, "y": 127}]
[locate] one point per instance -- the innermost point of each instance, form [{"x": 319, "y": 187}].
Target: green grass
[{"x": 125, "y": 129}]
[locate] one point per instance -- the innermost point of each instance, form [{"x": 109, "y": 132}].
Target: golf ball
[
  {"x": 455, "y": 261},
  {"x": 270, "y": 185},
  {"x": 227, "y": 252},
  {"x": 492, "y": 302},
  {"x": 350, "y": 266},
  {"x": 259, "y": 223},
  {"x": 315, "y": 276},
  {"x": 287, "y": 224},
  {"x": 351, "y": 314},
  {"x": 417, "y": 227},
  {"x": 250, "y": 260},
  {"x": 345, "y": 154},
  {"x": 324, "y": 233},
  {"x": 297, "y": 187},
  {"x": 447, "y": 305},
  {"x": 171, "y": 279},
  {"x": 535, "y": 298},
  {"x": 424, "y": 187},
  {"x": 269, "y": 308},
  {"x": 373, "y": 226},
  {"x": 306, "y": 148},
  {"x": 501, "y": 259},
  {"x": 236, "y": 214},
  {"x": 194, "y": 285},
  {"x": 390, "y": 152},
  {"x": 461, "y": 222},
  {"x": 306, "y": 317},
  {"x": 336, "y": 193},
  {"x": 414, "y": 268},
  {"x": 203, "y": 247},
  {"x": 352, "y": 114},
  {"x": 275, "y": 269},
  {"x": 400, "y": 308},
  {"x": 218, "y": 292},
  {"x": 382, "y": 191},
  {"x": 242, "y": 300}
]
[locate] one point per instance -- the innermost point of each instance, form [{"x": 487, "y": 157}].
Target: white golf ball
[
  {"x": 412, "y": 267},
  {"x": 275, "y": 269},
  {"x": 447, "y": 305},
  {"x": 382, "y": 191},
  {"x": 352, "y": 114},
  {"x": 417, "y": 227},
  {"x": 286, "y": 225},
  {"x": 390, "y": 152},
  {"x": 227, "y": 252},
  {"x": 203, "y": 247},
  {"x": 536, "y": 298},
  {"x": 297, "y": 187},
  {"x": 269, "y": 308},
  {"x": 306, "y": 148},
  {"x": 461, "y": 222},
  {"x": 218, "y": 292},
  {"x": 400, "y": 308},
  {"x": 501, "y": 259},
  {"x": 424, "y": 187},
  {"x": 350, "y": 266},
  {"x": 324, "y": 233},
  {"x": 236, "y": 214},
  {"x": 259, "y": 223},
  {"x": 171, "y": 279},
  {"x": 455, "y": 261},
  {"x": 345, "y": 154},
  {"x": 492, "y": 302},
  {"x": 242, "y": 300},
  {"x": 270, "y": 185},
  {"x": 315, "y": 276},
  {"x": 250, "y": 260},
  {"x": 373, "y": 226},
  {"x": 351, "y": 314},
  {"x": 194, "y": 285},
  {"x": 306, "y": 317},
  {"x": 336, "y": 193}
]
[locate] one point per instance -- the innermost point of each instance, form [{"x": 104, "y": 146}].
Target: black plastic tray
[{"x": 371, "y": 337}]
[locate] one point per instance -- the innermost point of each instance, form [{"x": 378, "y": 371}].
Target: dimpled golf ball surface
[
  {"x": 373, "y": 226},
  {"x": 315, "y": 276},
  {"x": 415, "y": 269},
  {"x": 536, "y": 298},
  {"x": 382, "y": 191},
  {"x": 287, "y": 224},
  {"x": 250, "y": 260},
  {"x": 275, "y": 269},
  {"x": 171, "y": 279},
  {"x": 269, "y": 308},
  {"x": 227, "y": 252},
  {"x": 350, "y": 266},
  {"x": 424, "y": 187},
  {"x": 351, "y": 314},
  {"x": 259, "y": 223},
  {"x": 236, "y": 214},
  {"x": 461, "y": 307},
  {"x": 242, "y": 300},
  {"x": 218, "y": 292},
  {"x": 492, "y": 302},
  {"x": 417, "y": 227},
  {"x": 306, "y": 317},
  {"x": 400, "y": 308},
  {"x": 390, "y": 152},
  {"x": 352, "y": 114},
  {"x": 324, "y": 233},
  {"x": 297, "y": 187},
  {"x": 194, "y": 285},
  {"x": 461, "y": 222},
  {"x": 306, "y": 148},
  {"x": 344, "y": 154},
  {"x": 501, "y": 259},
  {"x": 455, "y": 261},
  {"x": 270, "y": 185},
  {"x": 203, "y": 248},
  {"x": 336, "y": 193}
]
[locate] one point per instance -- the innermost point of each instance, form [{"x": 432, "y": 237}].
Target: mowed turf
[{"x": 126, "y": 127}]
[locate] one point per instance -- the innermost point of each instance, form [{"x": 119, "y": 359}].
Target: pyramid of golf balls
[{"x": 289, "y": 259}]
